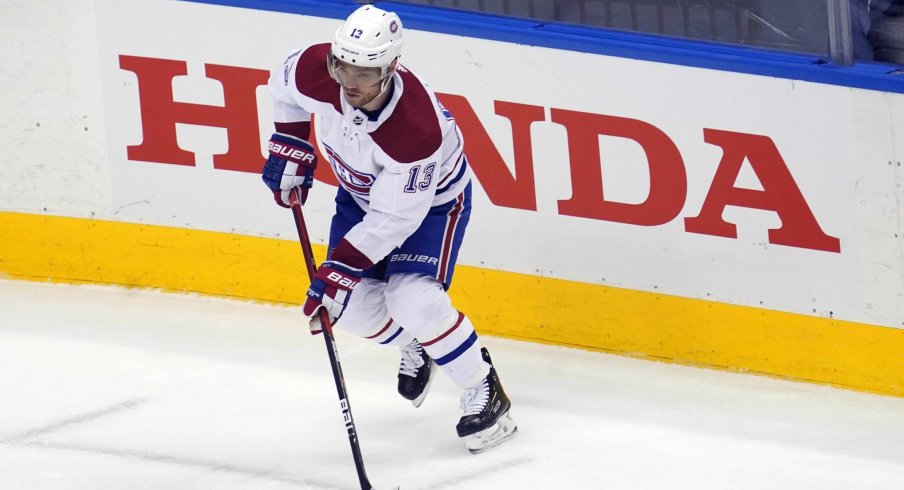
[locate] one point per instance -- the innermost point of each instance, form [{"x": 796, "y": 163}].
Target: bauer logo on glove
[
  {"x": 291, "y": 164},
  {"x": 341, "y": 280},
  {"x": 331, "y": 287},
  {"x": 291, "y": 153}
]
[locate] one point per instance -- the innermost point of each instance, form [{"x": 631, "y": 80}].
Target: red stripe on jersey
[
  {"x": 451, "y": 226},
  {"x": 312, "y": 78},
  {"x": 412, "y": 132},
  {"x": 385, "y": 327},
  {"x": 452, "y": 172},
  {"x": 445, "y": 334}
]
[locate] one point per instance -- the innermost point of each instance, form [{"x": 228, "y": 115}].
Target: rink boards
[{"x": 665, "y": 211}]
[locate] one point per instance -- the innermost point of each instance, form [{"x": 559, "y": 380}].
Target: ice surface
[{"x": 109, "y": 388}]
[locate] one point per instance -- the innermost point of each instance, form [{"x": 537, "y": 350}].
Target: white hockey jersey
[{"x": 396, "y": 167}]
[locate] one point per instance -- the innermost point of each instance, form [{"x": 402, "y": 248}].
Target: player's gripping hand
[
  {"x": 291, "y": 164},
  {"x": 330, "y": 289}
]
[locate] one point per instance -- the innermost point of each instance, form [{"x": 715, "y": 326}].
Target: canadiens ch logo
[{"x": 354, "y": 181}]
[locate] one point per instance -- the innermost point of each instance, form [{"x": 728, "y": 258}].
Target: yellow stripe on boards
[
  {"x": 688, "y": 331},
  {"x": 81, "y": 250},
  {"x": 637, "y": 323}
]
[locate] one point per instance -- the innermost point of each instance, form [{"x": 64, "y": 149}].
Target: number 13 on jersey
[{"x": 418, "y": 180}]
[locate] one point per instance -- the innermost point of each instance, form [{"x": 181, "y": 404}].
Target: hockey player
[{"x": 402, "y": 207}]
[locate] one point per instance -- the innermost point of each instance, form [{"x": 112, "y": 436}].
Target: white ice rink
[{"x": 108, "y": 388}]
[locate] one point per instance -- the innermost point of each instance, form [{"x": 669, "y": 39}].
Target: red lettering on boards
[
  {"x": 668, "y": 181},
  {"x": 160, "y": 113},
  {"x": 780, "y": 193},
  {"x": 667, "y": 193}
]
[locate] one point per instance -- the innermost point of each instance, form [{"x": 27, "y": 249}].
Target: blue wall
[{"x": 866, "y": 75}]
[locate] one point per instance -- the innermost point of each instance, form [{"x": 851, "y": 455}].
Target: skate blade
[
  {"x": 420, "y": 399},
  {"x": 503, "y": 430}
]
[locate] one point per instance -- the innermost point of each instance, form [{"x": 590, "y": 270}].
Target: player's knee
[
  {"x": 361, "y": 323},
  {"x": 418, "y": 303},
  {"x": 366, "y": 311}
]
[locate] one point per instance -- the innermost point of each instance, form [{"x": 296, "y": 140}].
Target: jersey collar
[{"x": 361, "y": 120}]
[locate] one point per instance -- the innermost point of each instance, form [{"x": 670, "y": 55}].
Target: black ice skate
[
  {"x": 415, "y": 373},
  {"x": 486, "y": 421}
]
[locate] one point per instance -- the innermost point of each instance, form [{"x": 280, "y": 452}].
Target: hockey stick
[{"x": 331, "y": 349}]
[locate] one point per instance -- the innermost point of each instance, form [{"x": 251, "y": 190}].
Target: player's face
[{"x": 360, "y": 85}]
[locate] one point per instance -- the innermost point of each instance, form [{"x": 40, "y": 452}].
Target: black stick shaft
[{"x": 332, "y": 352}]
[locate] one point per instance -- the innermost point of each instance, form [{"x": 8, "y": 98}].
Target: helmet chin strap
[
  {"x": 390, "y": 70},
  {"x": 384, "y": 84}
]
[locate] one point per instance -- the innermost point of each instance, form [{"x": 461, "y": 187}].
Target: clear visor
[{"x": 355, "y": 76}]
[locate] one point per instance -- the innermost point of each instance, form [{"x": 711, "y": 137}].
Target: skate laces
[
  {"x": 473, "y": 400},
  {"x": 412, "y": 360}
]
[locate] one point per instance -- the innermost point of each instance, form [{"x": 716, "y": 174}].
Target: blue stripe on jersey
[
  {"x": 461, "y": 173},
  {"x": 391, "y": 338},
  {"x": 458, "y": 350}
]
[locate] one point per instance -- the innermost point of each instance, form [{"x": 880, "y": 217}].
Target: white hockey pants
[{"x": 415, "y": 306}]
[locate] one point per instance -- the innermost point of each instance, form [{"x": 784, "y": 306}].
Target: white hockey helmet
[{"x": 369, "y": 38}]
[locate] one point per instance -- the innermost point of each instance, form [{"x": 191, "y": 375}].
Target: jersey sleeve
[
  {"x": 289, "y": 113},
  {"x": 400, "y": 199},
  {"x": 286, "y": 108}
]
